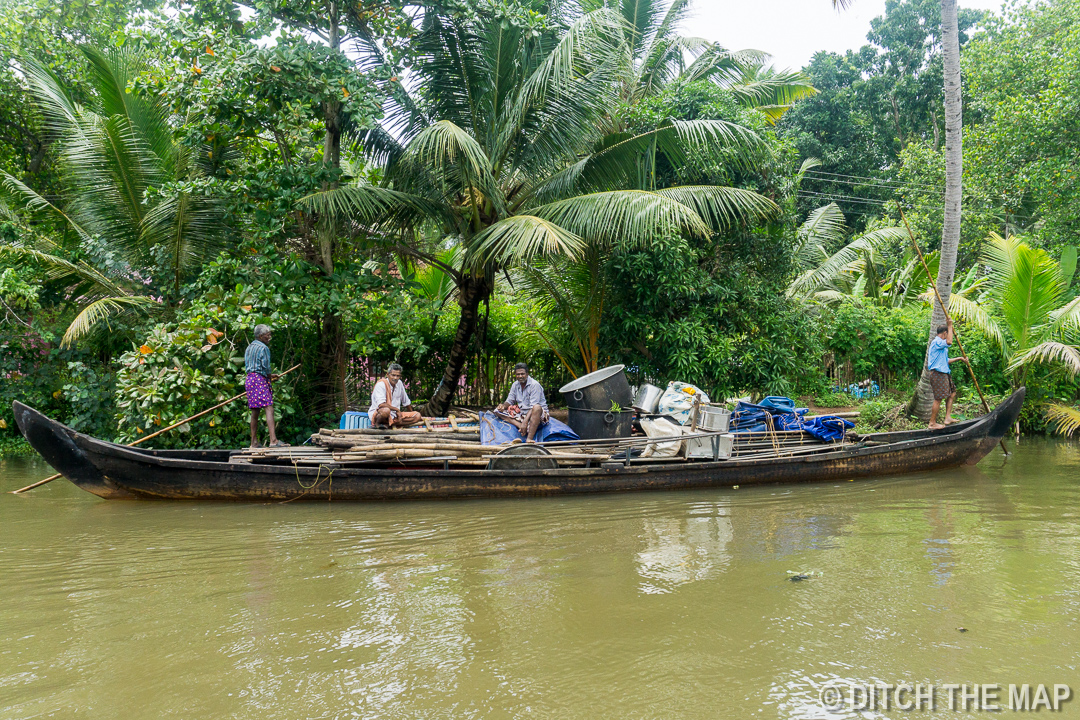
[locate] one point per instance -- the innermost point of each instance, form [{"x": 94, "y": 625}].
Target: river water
[{"x": 656, "y": 605}]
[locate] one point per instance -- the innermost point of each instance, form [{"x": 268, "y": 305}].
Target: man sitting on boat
[
  {"x": 525, "y": 407},
  {"x": 390, "y": 404},
  {"x": 941, "y": 382}
]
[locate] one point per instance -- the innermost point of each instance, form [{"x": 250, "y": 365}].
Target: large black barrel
[
  {"x": 600, "y": 424},
  {"x": 597, "y": 390}
]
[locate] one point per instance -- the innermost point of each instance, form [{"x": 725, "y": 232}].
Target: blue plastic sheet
[
  {"x": 827, "y": 427},
  {"x": 749, "y": 417},
  {"x": 496, "y": 431}
]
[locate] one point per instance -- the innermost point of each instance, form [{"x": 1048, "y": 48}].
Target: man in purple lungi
[
  {"x": 257, "y": 385},
  {"x": 525, "y": 407}
]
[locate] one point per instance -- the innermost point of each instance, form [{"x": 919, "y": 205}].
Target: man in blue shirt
[
  {"x": 941, "y": 382},
  {"x": 525, "y": 407}
]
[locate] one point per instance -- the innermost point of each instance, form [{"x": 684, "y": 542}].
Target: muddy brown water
[{"x": 648, "y": 605}]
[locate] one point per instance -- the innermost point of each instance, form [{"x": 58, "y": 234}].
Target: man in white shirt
[
  {"x": 525, "y": 407},
  {"x": 390, "y": 404}
]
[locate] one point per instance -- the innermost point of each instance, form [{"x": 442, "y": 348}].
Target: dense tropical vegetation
[{"x": 459, "y": 185}]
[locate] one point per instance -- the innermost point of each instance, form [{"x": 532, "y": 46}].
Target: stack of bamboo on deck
[{"x": 370, "y": 446}]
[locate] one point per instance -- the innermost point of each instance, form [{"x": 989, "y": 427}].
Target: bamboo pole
[
  {"x": 956, "y": 333},
  {"x": 49, "y": 479}
]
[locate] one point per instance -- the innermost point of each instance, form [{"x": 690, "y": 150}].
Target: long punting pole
[
  {"x": 49, "y": 479},
  {"x": 945, "y": 310}
]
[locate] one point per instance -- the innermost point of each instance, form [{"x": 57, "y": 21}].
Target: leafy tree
[
  {"x": 51, "y": 32},
  {"x": 135, "y": 218},
  {"x": 1020, "y": 158},
  {"x": 499, "y": 145}
]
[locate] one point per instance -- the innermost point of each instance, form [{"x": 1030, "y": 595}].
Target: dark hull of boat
[{"x": 115, "y": 471}]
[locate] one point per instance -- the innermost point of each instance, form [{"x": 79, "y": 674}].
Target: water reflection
[
  {"x": 681, "y": 550},
  {"x": 629, "y": 606}
]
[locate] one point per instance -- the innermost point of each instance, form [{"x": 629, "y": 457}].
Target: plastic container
[
  {"x": 597, "y": 390},
  {"x": 600, "y": 424},
  {"x": 354, "y": 421}
]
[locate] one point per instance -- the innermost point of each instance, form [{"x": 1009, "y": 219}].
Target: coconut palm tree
[
  {"x": 1026, "y": 311},
  {"x": 498, "y": 142},
  {"x": 950, "y": 227},
  {"x": 657, "y": 56},
  {"x": 118, "y": 160},
  {"x": 855, "y": 270}
]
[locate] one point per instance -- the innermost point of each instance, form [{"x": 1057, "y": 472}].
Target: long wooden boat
[{"x": 115, "y": 471}]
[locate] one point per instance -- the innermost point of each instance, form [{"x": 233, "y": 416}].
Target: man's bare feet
[
  {"x": 949, "y": 420},
  {"x": 936, "y": 426}
]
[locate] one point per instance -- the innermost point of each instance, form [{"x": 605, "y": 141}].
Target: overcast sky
[{"x": 791, "y": 30}]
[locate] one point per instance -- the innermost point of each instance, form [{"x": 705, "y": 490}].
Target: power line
[
  {"x": 887, "y": 185},
  {"x": 874, "y": 181},
  {"x": 838, "y": 197}
]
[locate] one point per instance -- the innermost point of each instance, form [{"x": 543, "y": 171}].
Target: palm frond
[
  {"x": 1064, "y": 419},
  {"x": 617, "y": 159},
  {"x": 57, "y": 268},
  {"x": 824, "y": 227},
  {"x": 768, "y": 88},
  {"x": 375, "y": 206},
  {"x": 812, "y": 280},
  {"x": 523, "y": 237},
  {"x": 1025, "y": 283},
  {"x": 455, "y": 156},
  {"x": 722, "y": 207},
  {"x": 1049, "y": 352},
  {"x": 962, "y": 308},
  {"x": 18, "y": 193},
  {"x": 1064, "y": 322},
  {"x": 628, "y": 218},
  {"x": 101, "y": 310}
]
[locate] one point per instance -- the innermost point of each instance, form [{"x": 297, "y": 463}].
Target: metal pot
[
  {"x": 600, "y": 424},
  {"x": 597, "y": 390},
  {"x": 648, "y": 398}
]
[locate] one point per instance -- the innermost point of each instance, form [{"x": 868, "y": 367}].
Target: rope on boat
[{"x": 308, "y": 488}]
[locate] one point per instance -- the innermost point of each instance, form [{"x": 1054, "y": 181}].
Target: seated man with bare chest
[{"x": 390, "y": 404}]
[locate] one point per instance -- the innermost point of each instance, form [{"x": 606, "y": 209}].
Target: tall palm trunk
[
  {"x": 950, "y": 228},
  {"x": 472, "y": 291},
  {"x": 332, "y": 363}
]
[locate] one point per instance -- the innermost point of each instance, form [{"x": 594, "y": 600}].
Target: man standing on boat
[
  {"x": 525, "y": 407},
  {"x": 390, "y": 404},
  {"x": 257, "y": 385},
  {"x": 937, "y": 362}
]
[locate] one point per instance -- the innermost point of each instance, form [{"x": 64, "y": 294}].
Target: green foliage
[
  {"x": 184, "y": 368},
  {"x": 91, "y": 396},
  {"x": 877, "y": 342},
  {"x": 709, "y": 318},
  {"x": 834, "y": 400},
  {"x": 1024, "y": 79}
]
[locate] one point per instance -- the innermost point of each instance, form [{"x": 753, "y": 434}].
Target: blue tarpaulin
[
  {"x": 496, "y": 431},
  {"x": 749, "y": 417},
  {"x": 827, "y": 427}
]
